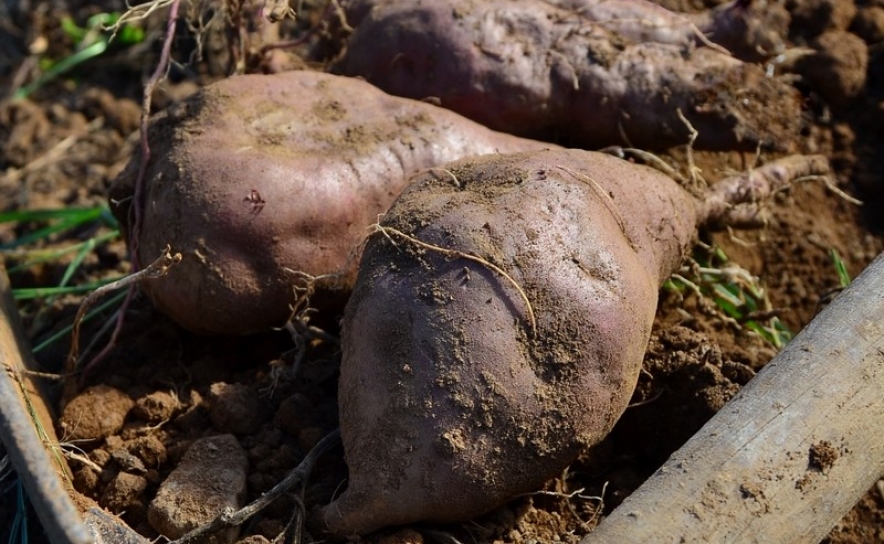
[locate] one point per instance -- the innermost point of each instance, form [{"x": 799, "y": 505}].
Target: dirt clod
[
  {"x": 97, "y": 412},
  {"x": 124, "y": 492},
  {"x": 838, "y": 70},
  {"x": 822, "y": 456}
]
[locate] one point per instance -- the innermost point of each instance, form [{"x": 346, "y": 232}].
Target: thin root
[
  {"x": 601, "y": 193},
  {"x": 694, "y": 172},
  {"x": 457, "y": 182},
  {"x": 386, "y": 231},
  {"x": 157, "y": 269},
  {"x": 830, "y": 185}
]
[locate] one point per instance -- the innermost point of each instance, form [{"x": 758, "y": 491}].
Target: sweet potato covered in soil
[
  {"x": 499, "y": 321},
  {"x": 256, "y": 174},
  {"x": 588, "y": 73}
]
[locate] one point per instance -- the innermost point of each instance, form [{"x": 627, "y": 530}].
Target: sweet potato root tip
[{"x": 734, "y": 200}]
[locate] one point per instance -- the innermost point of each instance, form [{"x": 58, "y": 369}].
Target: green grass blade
[
  {"x": 61, "y": 67},
  {"x": 39, "y": 234},
  {"x": 67, "y": 219},
  {"x": 84, "y": 214},
  {"x": 51, "y": 255},
  {"x": 78, "y": 260},
  {"x": 840, "y": 268},
  {"x": 28, "y": 293},
  {"x": 20, "y": 523},
  {"x": 116, "y": 299}
]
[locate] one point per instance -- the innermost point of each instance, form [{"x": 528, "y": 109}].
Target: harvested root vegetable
[
  {"x": 499, "y": 320},
  {"x": 588, "y": 73},
  {"x": 258, "y": 174}
]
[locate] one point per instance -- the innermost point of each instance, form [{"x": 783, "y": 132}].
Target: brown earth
[{"x": 64, "y": 145}]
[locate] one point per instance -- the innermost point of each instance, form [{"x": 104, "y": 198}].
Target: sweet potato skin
[
  {"x": 572, "y": 71},
  {"x": 256, "y": 174},
  {"x": 451, "y": 401}
]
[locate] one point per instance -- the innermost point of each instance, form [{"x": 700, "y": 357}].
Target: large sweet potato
[
  {"x": 256, "y": 174},
  {"x": 499, "y": 321},
  {"x": 589, "y": 73}
]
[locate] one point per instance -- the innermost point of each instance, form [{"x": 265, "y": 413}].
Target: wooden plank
[
  {"x": 26, "y": 429},
  {"x": 791, "y": 454}
]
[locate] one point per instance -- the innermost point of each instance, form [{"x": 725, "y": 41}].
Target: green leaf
[{"x": 840, "y": 268}]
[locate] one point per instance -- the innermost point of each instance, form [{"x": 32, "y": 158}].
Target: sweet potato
[
  {"x": 587, "y": 73},
  {"x": 499, "y": 321},
  {"x": 256, "y": 174}
]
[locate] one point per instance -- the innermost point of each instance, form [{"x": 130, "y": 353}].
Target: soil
[{"x": 165, "y": 389}]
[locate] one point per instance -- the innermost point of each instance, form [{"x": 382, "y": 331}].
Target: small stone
[
  {"x": 838, "y": 69},
  {"x": 210, "y": 477},
  {"x": 813, "y": 17},
  {"x": 86, "y": 481},
  {"x": 97, "y": 412},
  {"x": 195, "y": 416}
]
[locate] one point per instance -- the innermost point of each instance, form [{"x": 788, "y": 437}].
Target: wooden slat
[
  {"x": 21, "y": 406},
  {"x": 791, "y": 454}
]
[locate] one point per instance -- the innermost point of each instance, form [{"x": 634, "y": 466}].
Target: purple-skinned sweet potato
[
  {"x": 256, "y": 174},
  {"x": 499, "y": 320},
  {"x": 588, "y": 73}
]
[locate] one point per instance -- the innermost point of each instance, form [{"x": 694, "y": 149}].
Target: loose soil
[{"x": 165, "y": 388}]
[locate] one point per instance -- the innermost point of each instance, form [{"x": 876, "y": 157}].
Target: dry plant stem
[
  {"x": 693, "y": 170},
  {"x": 532, "y": 322},
  {"x": 157, "y": 269},
  {"x": 342, "y": 16},
  {"x": 158, "y": 74},
  {"x": 300, "y": 473},
  {"x": 139, "y": 13},
  {"x": 275, "y": 11}
]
